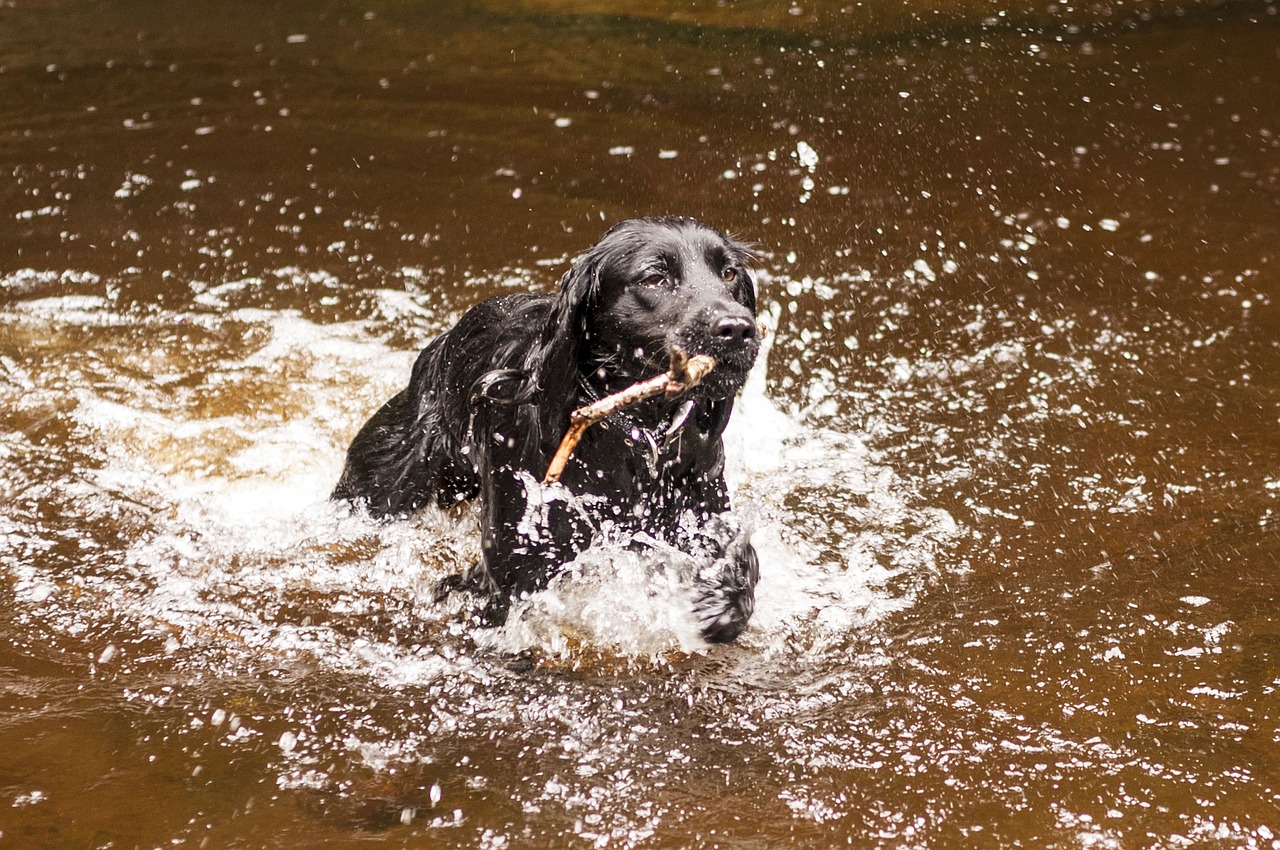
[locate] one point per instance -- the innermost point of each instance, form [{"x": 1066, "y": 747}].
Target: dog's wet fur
[{"x": 489, "y": 400}]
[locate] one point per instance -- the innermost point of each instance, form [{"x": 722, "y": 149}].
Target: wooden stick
[{"x": 684, "y": 374}]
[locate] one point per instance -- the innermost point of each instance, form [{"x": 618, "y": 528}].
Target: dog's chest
[{"x": 631, "y": 466}]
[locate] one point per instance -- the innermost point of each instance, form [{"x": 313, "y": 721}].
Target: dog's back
[{"x": 416, "y": 449}]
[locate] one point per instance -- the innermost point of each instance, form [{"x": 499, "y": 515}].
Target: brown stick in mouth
[{"x": 684, "y": 374}]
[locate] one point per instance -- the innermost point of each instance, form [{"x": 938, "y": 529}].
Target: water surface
[{"x": 1013, "y": 457}]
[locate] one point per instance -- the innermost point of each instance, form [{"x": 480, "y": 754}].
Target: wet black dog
[{"x": 489, "y": 401}]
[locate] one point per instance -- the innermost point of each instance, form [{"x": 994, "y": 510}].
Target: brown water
[{"x": 1014, "y": 464}]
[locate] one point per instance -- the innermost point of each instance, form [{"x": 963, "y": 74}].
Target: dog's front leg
[
  {"x": 725, "y": 587},
  {"x": 529, "y": 532},
  {"x": 724, "y": 582}
]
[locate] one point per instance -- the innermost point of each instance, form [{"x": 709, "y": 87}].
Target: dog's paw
[{"x": 725, "y": 596}]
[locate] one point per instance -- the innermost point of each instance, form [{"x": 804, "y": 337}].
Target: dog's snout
[{"x": 733, "y": 330}]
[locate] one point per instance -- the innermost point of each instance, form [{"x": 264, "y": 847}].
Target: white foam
[{"x": 240, "y": 526}]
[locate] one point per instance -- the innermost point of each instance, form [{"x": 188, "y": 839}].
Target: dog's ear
[
  {"x": 749, "y": 290},
  {"x": 552, "y": 365},
  {"x": 569, "y": 322},
  {"x": 745, "y": 254}
]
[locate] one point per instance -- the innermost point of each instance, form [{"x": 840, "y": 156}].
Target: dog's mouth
[
  {"x": 729, "y": 375},
  {"x": 622, "y": 368},
  {"x": 733, "y": 362}
]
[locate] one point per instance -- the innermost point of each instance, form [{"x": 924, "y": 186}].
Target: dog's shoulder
[{"x": 506, "y": 312}]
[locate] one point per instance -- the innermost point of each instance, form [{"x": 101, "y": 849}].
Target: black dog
[{"x": 489, "y": 401}]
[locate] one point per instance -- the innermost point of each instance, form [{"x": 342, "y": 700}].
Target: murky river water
[{"x": 1014, "y": 463}]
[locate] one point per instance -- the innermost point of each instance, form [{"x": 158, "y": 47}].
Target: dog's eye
[
  {"x": 655, "y": 279},
  {"x": 729, "y": 275}
]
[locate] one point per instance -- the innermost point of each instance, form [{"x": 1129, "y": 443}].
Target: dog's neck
[{"x": 651, "y": 429}]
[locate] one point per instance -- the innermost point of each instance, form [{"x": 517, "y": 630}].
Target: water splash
[{"x": 222, "y": 456}]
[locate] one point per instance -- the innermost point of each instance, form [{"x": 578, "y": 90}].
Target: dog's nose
[{"x": 733, "y": 330}]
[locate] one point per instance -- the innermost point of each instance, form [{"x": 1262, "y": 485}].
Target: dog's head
[
  {"x": 653, "y": 283},
  {"x": 648, "y": 284}
]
